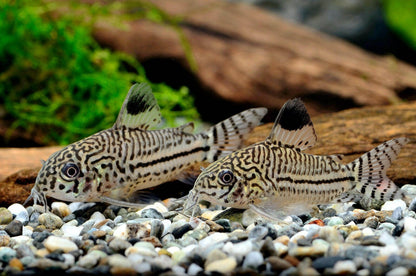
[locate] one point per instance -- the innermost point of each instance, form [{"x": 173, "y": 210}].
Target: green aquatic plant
[
  {"x": 401, "y": 17},
  {"x": 57, "y": 83}
]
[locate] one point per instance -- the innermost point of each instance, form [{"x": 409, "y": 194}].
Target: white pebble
[
  {"x": 367, "y": 232},
  {"x": 344, "y": 267},
  {"x": 211, "y": 239},
  {"x": 27, "y": 231},
  {"x": 410, "y": 190},
  {"x": 398, "y": 271},
  {"x": 253, "y": 260},
  {"x": 194, "y": 269},
  {"x": 280, "y": 248},
  {"x": 121, "y": 231},
  {"x": 238, "y": 250},
  {"x": 392, "y": 205},
  {"x": 297, "y": 236},
  {"x": 21, "y": 239},
  {"x": 409, "y": 224},
  {"x": 19, "y": 211},
  {"x": 53, "y": 243},
  {"x": 71, "y": 231},
  {"x": 178, "y": 270},
  {"x": 118, "y": 219},
  {"x": 166, "y": 226},
  {"x": 173, "y": 249},
  {"x": 97, "y": 217},
  {"x": 142, "y": 267},
  {"x": 69, "y": 259}
]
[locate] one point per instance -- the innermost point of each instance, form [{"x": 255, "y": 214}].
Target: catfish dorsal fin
[
  {"x": 293, "y": 127},
  {"x": 187, "y": 128},
  {"x": 140, "y": 109}
]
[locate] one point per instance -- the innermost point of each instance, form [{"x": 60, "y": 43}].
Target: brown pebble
[
  {"x": 278, "y": 264},
  {"x": 294, "y": 261},
  {"x": 101, "y": 223},
  {"x": 153, "y": 240},
  {"x": 215, "y": 227},
  {"x": 122, "y": 271},
  {"x": 16, "y": 264},
  {"x": 99, "y": 234}
]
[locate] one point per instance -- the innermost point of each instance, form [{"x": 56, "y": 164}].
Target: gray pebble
[
  {"x": 253, "y": 260},
  {"x": 258, "y": 232},
  {"x": 397, "y": 214},
  {"x": 156, "y": 228},
  {"x": 151, "y": 213},
  {"x": 24, "y": 250},
  {"x": 14, "y": 228},
  {"x": 119, "y": 245},
  {"x": 6, "y": 254},
  {"x": 329, "y": 212}
]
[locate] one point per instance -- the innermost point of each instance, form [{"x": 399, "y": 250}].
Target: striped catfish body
[
  {"x": 115, "y": 164},
  {"x": 275, "y": 177}
]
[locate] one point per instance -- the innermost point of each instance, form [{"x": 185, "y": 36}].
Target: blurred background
[{"x": 66, "y": 66}]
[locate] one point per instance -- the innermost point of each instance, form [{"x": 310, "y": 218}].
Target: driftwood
[
  {"x": 349, "y": 132},
  {"x": 249, "y": 56}
]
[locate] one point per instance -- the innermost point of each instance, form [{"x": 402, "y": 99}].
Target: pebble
[
  {"x": 6, "y": 254},
  {"x": 5, "y": 216},
  {"x": 392, "y": 205},
  {"x": 253, "y": 260},
  {"x": 344, "y": 267},
  {"x": 98, "y": 239},
  {"x": 14, "y": 228},
  {"x": 19, "y": 212},
  {"x": 53, "y": 243},
  {"x": 50, "y": 221},
  {"x": 224, "y": 266}
]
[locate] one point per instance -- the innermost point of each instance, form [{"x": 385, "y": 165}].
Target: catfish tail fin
[{"x": 369, "y": 171}]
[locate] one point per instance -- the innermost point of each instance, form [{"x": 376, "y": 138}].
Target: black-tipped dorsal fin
[
  {"x": 140, "y": 109},
  {"x": 293, "y": 127}
]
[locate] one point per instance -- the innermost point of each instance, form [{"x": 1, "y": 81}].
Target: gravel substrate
[{"x": 93, "y": 238}]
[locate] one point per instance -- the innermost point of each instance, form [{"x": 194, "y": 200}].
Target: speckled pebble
[
  {"x": 50, "y": 221},
  {"x": 5, "y": 216},
  {"x": 6, "y": 254}
]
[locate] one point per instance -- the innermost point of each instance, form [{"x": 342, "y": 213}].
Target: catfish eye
[
  {"x": 226, "y": 177},
  {"x": 70, "y": 170}
]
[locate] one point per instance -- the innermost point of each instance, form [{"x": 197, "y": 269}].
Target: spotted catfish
[
  {"x": 275, "y": 177},
  {"x": 113, "y": 165}
]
